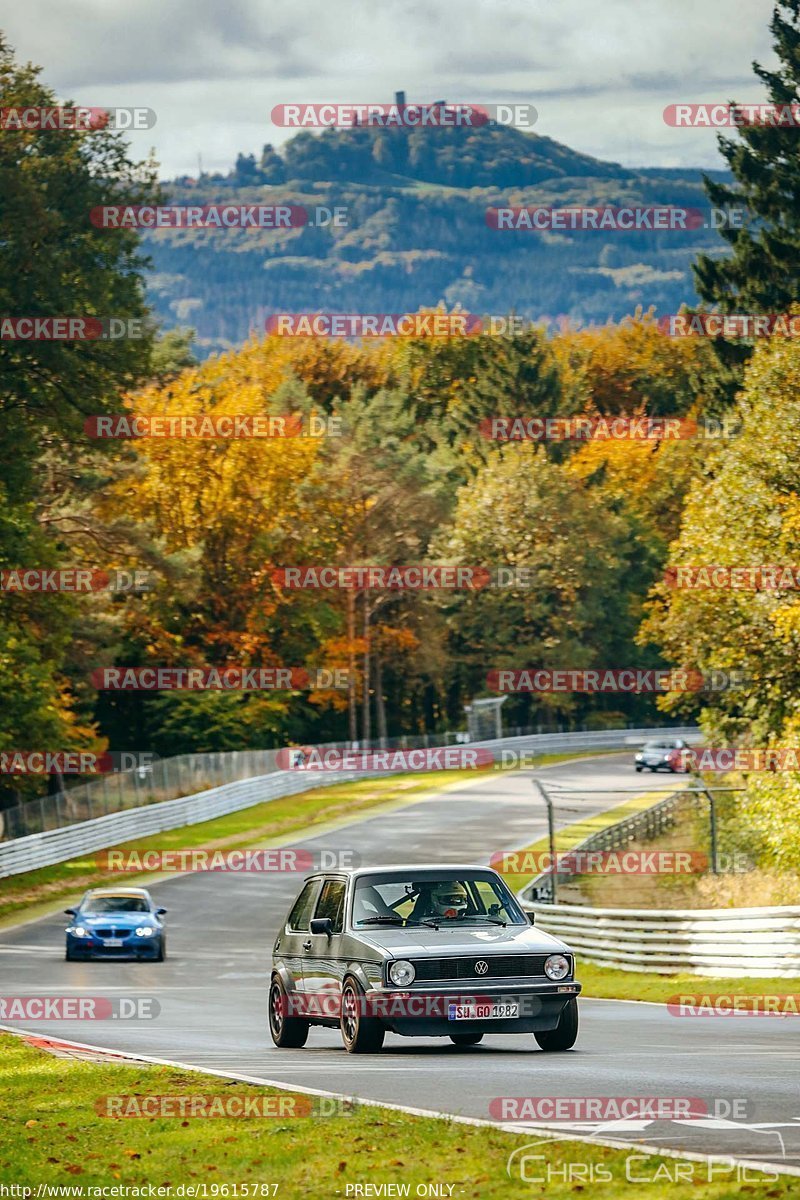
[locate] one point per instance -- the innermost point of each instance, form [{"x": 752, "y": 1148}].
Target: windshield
[
  {"x": 115, "y": 904},
  {"x": 439, "y": 901}
]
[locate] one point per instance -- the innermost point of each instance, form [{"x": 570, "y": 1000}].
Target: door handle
[{"x": 307, "y": 945}]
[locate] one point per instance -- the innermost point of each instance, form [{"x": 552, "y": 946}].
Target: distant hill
[{"x": 417, "y": 234}]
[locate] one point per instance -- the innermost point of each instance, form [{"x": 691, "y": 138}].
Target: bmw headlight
[
  {"x": 78, "y": 931},
  {"x": 556, "y": 966},
  {"x": 402, "y": 972},
  {"x": 145, "y": 931}
]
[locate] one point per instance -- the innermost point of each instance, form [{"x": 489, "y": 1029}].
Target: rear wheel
[
  {"x": 360, "y": 1034},
  {"x": 566, "y": 1031},
  {"x": 287, "y": 1032},
  {"x": 466, "y": 1039}
]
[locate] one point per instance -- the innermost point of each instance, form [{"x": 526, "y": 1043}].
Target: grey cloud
[{"x": 213, "y": 69}]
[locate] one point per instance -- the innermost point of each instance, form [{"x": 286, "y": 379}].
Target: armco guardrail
[
  {"x": 160, "y": 780},
  {"x": 153, "y": 782},
  {"x": 602, "y": 739},
  {"x": 56, "y": 845},
  {"x": 756, "y": 942}
]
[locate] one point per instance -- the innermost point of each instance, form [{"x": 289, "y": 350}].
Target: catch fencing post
[
  {"x": 551, "y": 833},
  {"x": 712, "y": 822}
]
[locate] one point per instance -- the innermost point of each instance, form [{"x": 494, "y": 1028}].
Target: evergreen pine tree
[{"x": 763, "y": 272}]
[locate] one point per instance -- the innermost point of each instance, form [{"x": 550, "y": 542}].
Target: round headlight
[
  {"x": 402, "y": 972},
  {"x": 144, "y": 931},
  {"x": 79, "y": 931},
  {"x": 556, "y": 966}
]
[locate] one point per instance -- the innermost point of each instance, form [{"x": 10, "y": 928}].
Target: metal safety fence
[
  {"x": 756, "y": 942},
  {"x": 203, "y": 786}
]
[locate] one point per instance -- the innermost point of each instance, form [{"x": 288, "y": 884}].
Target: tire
[
  {"x": 290, "y": 1033},
  {"x": 360, "y": 1034},
  {"x": 69, "y": 956},
  {"x": 465, "y": 1039},
  {"x": 162, "y": 951},
  {"x": 638, "y": 769},
  {"x": 565, "y": 1033}
]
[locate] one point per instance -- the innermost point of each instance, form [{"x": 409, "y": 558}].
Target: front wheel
[
  {"x": 466, "y": 1039},
  {"x": 566, "y": 1031},
  {"x": 289, "y": 1033},
  {"x": 360, "y": 1034}
]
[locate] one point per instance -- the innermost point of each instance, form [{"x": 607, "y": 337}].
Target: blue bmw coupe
[{"x": 116, "y": 923}]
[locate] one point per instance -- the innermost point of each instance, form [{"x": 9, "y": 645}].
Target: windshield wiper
[
  {"x": 398, "y": 920},
  {"x": 457, "y": 922}
]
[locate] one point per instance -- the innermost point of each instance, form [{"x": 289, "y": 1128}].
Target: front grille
[
  {"x": 112, "y": 932},
  {"x": 499, "y": 966}
]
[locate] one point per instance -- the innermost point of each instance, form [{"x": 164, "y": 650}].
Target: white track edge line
[{"x": 543, "y": 1131}]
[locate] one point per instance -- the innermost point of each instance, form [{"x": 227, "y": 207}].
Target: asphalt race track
[{"x": 213, "y": 992}]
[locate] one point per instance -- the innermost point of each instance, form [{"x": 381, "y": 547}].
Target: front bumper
[
  {"x": 132, "y": 947},
  {"x": 423, "y": 1012}
]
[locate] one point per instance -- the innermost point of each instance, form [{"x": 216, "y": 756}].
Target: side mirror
[
  {"x": 160, "y": 912},
  {"x": 321, "y": 925},
  {"x": 531, "y": 917},
  {"x": 70, "y": 912}
]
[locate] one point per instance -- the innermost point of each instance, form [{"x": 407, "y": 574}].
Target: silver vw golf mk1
[{"x": 423, "y": 951}]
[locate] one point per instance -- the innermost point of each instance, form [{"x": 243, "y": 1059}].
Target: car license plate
[
  {"x": 112, "y": 941},
  {"x": 488, "y": 1011}
]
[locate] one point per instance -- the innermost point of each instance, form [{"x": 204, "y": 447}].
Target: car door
[
  {"x": 323, "y": 967},
  {"x": 291, "y": 946}
]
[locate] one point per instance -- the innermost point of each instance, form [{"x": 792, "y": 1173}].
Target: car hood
[{"x": 480, "y": 939}]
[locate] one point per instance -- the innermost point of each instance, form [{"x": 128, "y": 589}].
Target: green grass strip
[{"x": 51, "y": 1134}]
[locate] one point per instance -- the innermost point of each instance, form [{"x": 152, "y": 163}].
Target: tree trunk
[
  {"x": 380, "y": 703},
  {"x": 366, "y": 724},
  {"x": 351, "y": 674}
]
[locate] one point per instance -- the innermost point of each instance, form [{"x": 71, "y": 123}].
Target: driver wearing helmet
[{"x": 446, "y": 900}]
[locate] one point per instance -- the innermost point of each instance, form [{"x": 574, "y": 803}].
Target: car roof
[
  {"x": 404, "y": 870},
  {"x": 138, "y": 892}
]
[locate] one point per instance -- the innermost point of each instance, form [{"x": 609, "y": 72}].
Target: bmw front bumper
[{"x": 132, "y": 947}]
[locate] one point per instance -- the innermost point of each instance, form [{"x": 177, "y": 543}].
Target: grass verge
[
  {"x": 34, "y": 893},
  {"x": 609, "y": 983},
  {"x": 51, "y": 1134}
]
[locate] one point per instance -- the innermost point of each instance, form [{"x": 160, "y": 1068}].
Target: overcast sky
[{"x": 599, "y": 73}]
